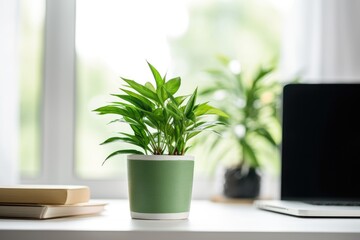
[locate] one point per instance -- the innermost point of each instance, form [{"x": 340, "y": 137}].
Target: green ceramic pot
[{"x": 160, "y": 186}]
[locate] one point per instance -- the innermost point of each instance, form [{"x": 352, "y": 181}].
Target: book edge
[{"x": 91, "y": 208}]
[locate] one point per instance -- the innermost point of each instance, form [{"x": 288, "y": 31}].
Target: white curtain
[
  {"x": 322, "y": 40},
  {"x": 8, "y": 93}
]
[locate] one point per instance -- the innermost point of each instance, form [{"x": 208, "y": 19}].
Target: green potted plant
[
  {"x": 252, "y": 126},
  {"x": 160, "y": 175}
]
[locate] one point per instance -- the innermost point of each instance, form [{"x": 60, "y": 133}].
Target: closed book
[
  {"x": 37, "y": 211},
  {"x": 44, "y": 194}
]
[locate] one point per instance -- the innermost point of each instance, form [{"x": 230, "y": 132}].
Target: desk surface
[{"x": 207, "y": 221}]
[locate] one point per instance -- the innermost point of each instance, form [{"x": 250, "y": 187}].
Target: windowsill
[{"x": 207, "y": 221}]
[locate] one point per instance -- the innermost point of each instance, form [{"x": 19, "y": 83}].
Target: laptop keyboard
[{"x": 322, "y": 203}]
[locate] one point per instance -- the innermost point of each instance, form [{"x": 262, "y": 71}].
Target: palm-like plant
[
  {"x": 161, "y": 122},
  {"x": 251, "y": 104}
]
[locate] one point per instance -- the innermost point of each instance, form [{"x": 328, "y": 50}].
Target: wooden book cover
[
  {"x": 44, "y": 194},
  {"x": 36, "y": 211}
]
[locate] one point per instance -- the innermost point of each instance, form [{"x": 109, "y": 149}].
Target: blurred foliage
[
  {"x": 252, "y": 103},
  {"x": 245, "y": 30}
]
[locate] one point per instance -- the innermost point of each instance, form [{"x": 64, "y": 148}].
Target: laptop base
[{"x": 301, "y": 209}]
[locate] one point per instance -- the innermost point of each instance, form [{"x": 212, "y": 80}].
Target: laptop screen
[{"x": 321, "y": 142}]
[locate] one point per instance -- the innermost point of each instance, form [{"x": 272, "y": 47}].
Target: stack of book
[{"x": 43, "y": 202}]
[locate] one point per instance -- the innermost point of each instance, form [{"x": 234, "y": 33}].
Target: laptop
[{"x": 320, "y": 174}]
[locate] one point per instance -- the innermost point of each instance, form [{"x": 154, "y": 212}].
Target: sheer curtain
[
  {"x": 321, "y": 40},
  {"x": 8, "y": 93}
]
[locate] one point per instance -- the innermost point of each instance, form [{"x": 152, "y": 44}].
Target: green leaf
[
  {"x": 130, "y": 139},
  {"x": 193, "y": 134},
  {"x": 186, "y": 149},
  {"x": 141, "y": 89},
  {"x": 261, "y": 74},
  {"x": 196, "y": 132},
  {"x": 265, "y": 133},
  {"x": 173, "y": 85},
  {"x": 250, "y": 154},
  {"x": 173, "y": 110},
  {"x": 216, "y": 111},
  {"x": 138, "y": 131},
  {"x": 162, "y": 95},
  {"x": 169, "y": 130},
  {"x": 135, "y": 101},
  {"x": 206, "y": 125},
  {"x": 158, "y": 79},
  {"x": 134, "y": 113},
  {"x": 154, "y": 120},
  {"x": 173, "y": 100},
  {"x": 190, "y": 104},
  {"x": 140, "y": 141},
  {"x": 111, "y": 110},
  {"x": 141, "y": 98},
  {"x": 204, "y": 108},
  {"x": 110, "y": 140},
  {"x": 191, "y": 116},
  {"x": 151, "y": 123},
  {"x": 125, "y": 151},
  {"x": 125, "y": 111},
  {"x": 131, "y": 121},
  {"x": 160, "y": 114},
  {"x": 180, "y": 99},
  {"x": 116, "y": 120},
  {"x": 149, "y": 86},
  {"x": 191, "y": 126}
]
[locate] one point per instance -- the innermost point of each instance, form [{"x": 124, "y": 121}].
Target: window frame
[{"x": 9, "y": 94}]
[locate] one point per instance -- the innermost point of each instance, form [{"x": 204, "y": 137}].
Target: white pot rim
[{"x": 161, "y": 157}]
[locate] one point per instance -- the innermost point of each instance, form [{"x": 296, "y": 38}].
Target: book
[
  {"x": 44, "y": 194},
  {"x": 37, "y": 211}
]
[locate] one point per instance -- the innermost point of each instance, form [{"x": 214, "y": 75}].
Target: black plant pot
[{"x": 241, "y": 183}]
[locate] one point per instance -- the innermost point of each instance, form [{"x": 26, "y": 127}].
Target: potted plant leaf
[
  {"x": 252, "y": 126},
  {"x": 160, "y": 174}
]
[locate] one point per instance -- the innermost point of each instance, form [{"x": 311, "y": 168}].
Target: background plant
[
  {"x": 161, "y": 122},
  {"x": 252, "y": 105}
]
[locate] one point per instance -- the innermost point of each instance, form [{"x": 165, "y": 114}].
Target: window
[
  {"x": 114, "y": 38},
  {"x": 21, "y": 47}
]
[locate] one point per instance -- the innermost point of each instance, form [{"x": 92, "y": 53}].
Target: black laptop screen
[{"x": 321, "y": 142}]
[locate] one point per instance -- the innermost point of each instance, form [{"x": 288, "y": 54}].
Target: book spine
[{"x": 77, "y": 196}]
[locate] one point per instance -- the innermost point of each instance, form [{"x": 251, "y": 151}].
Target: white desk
[{"x": 207, "y": 221}]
